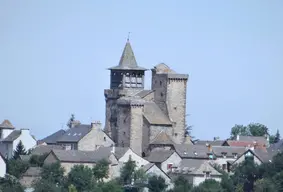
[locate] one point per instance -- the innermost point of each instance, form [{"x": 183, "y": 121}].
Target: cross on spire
[{"x": 128, "y": 39}]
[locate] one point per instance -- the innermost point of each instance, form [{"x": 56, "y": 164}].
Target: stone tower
[
  {"x": 122, "y": 113},
  {"x": 170, "y": 90}
]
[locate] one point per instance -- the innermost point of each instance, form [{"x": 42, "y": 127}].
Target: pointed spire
[{"x": 128, "y": 60}]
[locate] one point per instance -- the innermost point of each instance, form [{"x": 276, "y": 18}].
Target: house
[
  {"x": 45, "y": 149},
  {"x": 259, "y": 156},
  {"x": 249, "y": 141},
  {"x": 196, "y": 171},
  {"x": 164, "y": 159},
  {"x": 85, "y": 137},
  {"x": 118, "y": 156},
  {"x": 225, "y": 154},
  {"x": 52, "y": 139},
  {"x": 6, "y": 128},
  {"x": 187, "y": 151},
  {"x": 30, "y": 176},
  {"x": 9, "y": 143},
  {"x": 2, "y": 165},
  {"x": 211, "y": 143},
  {"x": 70, "y": 158},
  {"x": 151, "y": 169}
]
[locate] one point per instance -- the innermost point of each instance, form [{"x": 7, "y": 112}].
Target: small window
[
  {"x": 161, "y": 94},
  {"x": 104, "y": 138},
  {"x": 124, "y": 133},
  {"x": 169, "y": 166},
  {"x": 235, "y": 155},
  {"x": 176, "y": 134},
  {"x": 175, "y": 108},
  {"x": 224, "y": 167},
  {"x": 224, "y": 154},
  {"x": 160, "y": 83},
  {"x": 207, "y": 175}
]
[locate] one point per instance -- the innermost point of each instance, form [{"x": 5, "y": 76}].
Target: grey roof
[
  {"x": 52, "y": 139},
  {"x": 155, "y": 115},
  {"x": 75, "y": 156},
  {"x": 7, "y": 124},
  {"x": 265, "y": 156},
  {"x": 12, "y": 136},
  {"x": 277, "y": 146},
  {"x": 33, "y": 172},
  {"x": 105, "y": 152},
  {"x": 44, "y": 149},
  {"x": 128, "y": 60},
  {"x": 162, "y": 68},
  {"x": 147, "y": 166},
  {"x": 229, "y": 150},
  {"x": 162, "y": 139},
  {"x": 252, "y": 139},
  {"x": 192, "y": 151},
  {"x": 159, "y": 156},
  {"x": 75, "y": 134},
  {"x": 144, "y": 93},
  {"x": 212, "y": 143},
  {"x": 196, "y": 166}
]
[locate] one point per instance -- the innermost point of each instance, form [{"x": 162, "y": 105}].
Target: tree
[
  {"x": 10, "y": 184},
  {"x": 156, "y": 184},
  {"x": 53, "y": 173},
  {"x": 47, "y": 186},
  {"x": 127, "y": 172},
  {"x": 188, "y": 129},
  {"x": 81, "y": 177},
  {"x": 20, "y": 150},
  {"x": 277, "y": 137},
  {"x": 71, "y": 120},
  {"x": 264, "y": 185},
  {"x": 72, "y": 188},
  {"x": 182, "y": 185},
  {"x": 257, "y": 129},
  {"x": 239, "y": 130},
  {"x": 209, "y": 185},
  {"x": 37, "y": 160},
  {"x": 17, "y": 167},
  {"x": 100, "y": 170},
  {"x": 111, "y": 186},
  {"x": 140, "y": 179},
  {"x": 226, "y": 183}
]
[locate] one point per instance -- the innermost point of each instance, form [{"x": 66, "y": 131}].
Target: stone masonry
[{"x": 135, "y": 116}]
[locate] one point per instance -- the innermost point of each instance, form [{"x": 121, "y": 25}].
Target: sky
[{"x": 54, "y": 56}]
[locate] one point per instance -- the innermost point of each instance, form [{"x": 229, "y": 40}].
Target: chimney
[
  {"x": 238, "y": 137},
  {"x": 96, "y": 125},
  {"x": 75, "y": 123},
  {"x": 25, "y": 131}
]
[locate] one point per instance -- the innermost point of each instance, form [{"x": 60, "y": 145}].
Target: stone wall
[
  {"x": 136, "y": 129},
  {"x": 124, "y": 125}
]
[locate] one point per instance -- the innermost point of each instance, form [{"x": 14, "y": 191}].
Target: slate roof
[
  {"x": 144, "y": 93},
  {"x": 162, "y": 139},
  {"x": 212, "y": 143},
  {"x": 264, "y": 156},
  {"x": 75, "y": 156},
  {"x": 128, "y": 60},
  {"x": 7, "y": 124},
  {"x": 33, "y": 172},
  {"x": 196, "y": 167},
  {"x": 163, "y": 68},
  {"x": 277, "y": 146},
  {"x": 44, "y": 149},
  {"x": 229, "y": 150},
  {"x": 155, "y": 115},
  {"x": 192, "y": 151},
  {"x": 159, "y": 156},
  {"x": 52, "y": 139},
  {"x": 75, "y": 134},
  {"x": 245, "y": 144},
  {"x": 12, "y": 136},
  {"x": 147, "y": 166},
  {"x": 105, "y": 152},
  {"x": 252, "y": 139}
]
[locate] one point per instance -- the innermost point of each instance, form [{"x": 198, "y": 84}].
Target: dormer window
[
  {"x": 195, "y": 153},
  {"x": 235, "y": 155},
  {"x": 207, "y": 175},
  {"x": 224, "y": 154},
  {"x": 104, "y": 138}
]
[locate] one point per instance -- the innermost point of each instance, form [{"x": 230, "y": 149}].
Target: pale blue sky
[{"x": 53, "y": 56}]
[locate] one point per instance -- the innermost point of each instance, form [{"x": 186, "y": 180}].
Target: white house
[
  {"x": 9, "y": 143},
  {"x": 2, "y": 166}
]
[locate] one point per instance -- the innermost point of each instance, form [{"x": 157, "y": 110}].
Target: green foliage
[
  {"x": 37, "y": 160},
  {"x": 47, "y": 186},
  {"x": 10, "y": 184},
  {"x": 209, "y": 185},
  {"x": 156, "y": 184},
  {"x": 72, "y": 119},
  {"x": 101, "y": 170},
  {"x": 264, "y": 185},
  {"x": 182, "y": 185},
  {"x": 53, "y": 173},
  {"x": 226, "y": 183},
  {"x": 17, "y": 167},
  {"x": 127, "y": 172},
  {"x": 81, "y": 177},
  {"x": 20, "y": 150},
  {"x": 72, "y": 188},
  {"x": 252, "y": 129},
  {"x": 111, "y": 186}
]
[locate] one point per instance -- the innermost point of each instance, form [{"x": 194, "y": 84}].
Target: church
[{"x": 138, "y": 118}]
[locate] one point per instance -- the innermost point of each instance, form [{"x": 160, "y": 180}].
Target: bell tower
[{"x": 125, "y": 79}]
